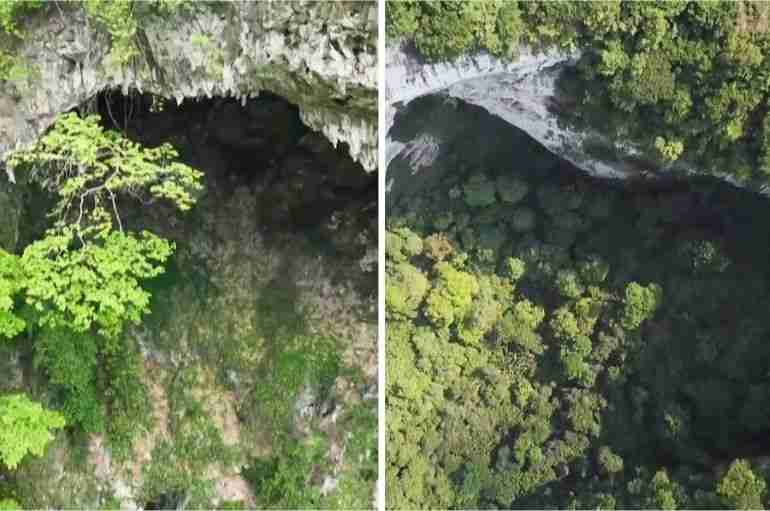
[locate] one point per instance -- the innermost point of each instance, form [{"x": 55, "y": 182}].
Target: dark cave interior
[{"x": 261, "y": 144}]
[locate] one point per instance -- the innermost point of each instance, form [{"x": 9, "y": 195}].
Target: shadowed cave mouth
[
  {"x": 262, "y": 144},
  {"x": 702, "y": 355}
]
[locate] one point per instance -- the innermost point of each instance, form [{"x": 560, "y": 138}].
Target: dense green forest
[
  {"x": 683, "y": 80},
  {"x": 559, "y": 341}
]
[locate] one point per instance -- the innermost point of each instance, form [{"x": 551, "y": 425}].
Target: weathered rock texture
[
  {"x": 524, "y": 93},
  {"x": 320, "y": 56}
]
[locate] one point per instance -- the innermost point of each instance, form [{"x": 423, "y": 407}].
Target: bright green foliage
[
  {"x": 564, "y": 324},
  {"x": 84, "y": 274},
  {"x": 116, "y": 16},
  {"x": 11, "y": 12},
  {"x": 485, "y": 310},
  {"x": 441, "y": 28},
  {"x": 663, "y": 493},
  {"x": 741, "y": 488},
  {"x": 610, "y": 462},
  {"x": 573, "y": 356},
  {"x": 10, "y": 284},
  {"x": 122, "y": 20},
  {"x": 78, "y": 286},
  {"x": 640, "y": 303},
  {"x": 669, "y": 150},
  {"x": 9, "y": 505},
  {"x": 527, "y": 315},
  {"x": 569, "y": 284},
  {"x": 452, "y": 296},
  {"x": 26, "y": 428},
  {"x": 515, "y": 268},
  {"x": 89, "y": 168},
  {"x": 406, "y": 287},
  {"x": 96, "y": 285},
  {"x": 401, "y": 244}
]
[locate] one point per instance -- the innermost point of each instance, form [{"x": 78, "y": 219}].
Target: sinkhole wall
[{"x": 320, "y": 56}]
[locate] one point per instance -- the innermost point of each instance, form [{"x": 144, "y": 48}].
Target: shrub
[
  {"x": 741, "y": 488},
  {"x": 569, "y": 285},
  {"x": 639, "y": 304},
  {"x": 451, "y": 298},
  {"x": 511, "y": 189},
  {"x": 406, "y": 287},
  {"x": 609, "y": 462},
  {"x": 479, "y": 191},
  {"x": 26, "y": 428}
]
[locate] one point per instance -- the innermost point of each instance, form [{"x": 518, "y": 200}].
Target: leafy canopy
[
  {"x": 76, "y": 288},
  {"x": 25, "y": 427},
  {"x": 86, "y": 272}
]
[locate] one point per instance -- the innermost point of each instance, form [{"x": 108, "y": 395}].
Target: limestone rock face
[
  {"x": 320, "y": 56},
  {"x": 524, "y": 94}
]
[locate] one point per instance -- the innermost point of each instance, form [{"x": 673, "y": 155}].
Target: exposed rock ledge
[
  {"x": 523, "y": 93},
  {"x": 320, "y": 56}
]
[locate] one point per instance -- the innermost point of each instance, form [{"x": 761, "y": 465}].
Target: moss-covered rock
[{"x": 10, "y": 213}]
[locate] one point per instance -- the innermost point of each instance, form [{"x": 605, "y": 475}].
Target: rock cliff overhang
[
  {"x": 524, "y": 93},
  {"x": 320, "y": 56}
]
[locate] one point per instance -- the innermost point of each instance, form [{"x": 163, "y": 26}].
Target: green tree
[
  {"x": 87, "y": 269},
  {"x": 406, "y": 287},
  {"x": 639, "y": 304},
  {"x": 609, "y": 462},
  {"x": 741, "y": 488},
  {"x": 76, "y": 288},
  {"x": 26, "y": 428},
  {"x": 450, "y": 299}
]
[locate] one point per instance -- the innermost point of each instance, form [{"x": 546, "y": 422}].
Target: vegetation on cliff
[
  {"x": 71, "y": 292},
  {"x": 684, "y": 80}
]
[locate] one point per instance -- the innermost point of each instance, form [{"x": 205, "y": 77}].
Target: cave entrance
[
  {"x": 694, "y": 388},
  {"x": 261, "y": 144}
]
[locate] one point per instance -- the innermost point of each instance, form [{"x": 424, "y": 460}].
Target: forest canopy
[{"x": 556, "y": 341}]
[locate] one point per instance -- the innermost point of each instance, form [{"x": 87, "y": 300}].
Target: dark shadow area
[{"x": 261, "y": 144}]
